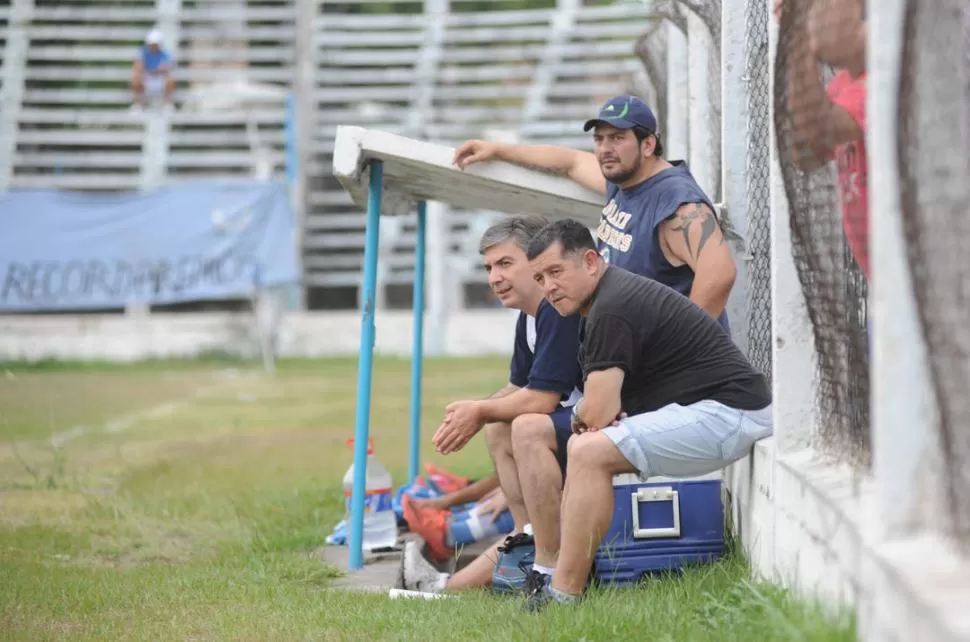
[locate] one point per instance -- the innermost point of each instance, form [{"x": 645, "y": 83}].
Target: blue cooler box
[{"x": 658, "y": 526}]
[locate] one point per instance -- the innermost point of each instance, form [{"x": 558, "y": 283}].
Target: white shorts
[
  {"x": 154, "y": 85},
  {"x": 685, "y": 441}
]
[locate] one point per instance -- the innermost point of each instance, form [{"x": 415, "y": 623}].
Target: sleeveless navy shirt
[{"x": 628, "y": 235}]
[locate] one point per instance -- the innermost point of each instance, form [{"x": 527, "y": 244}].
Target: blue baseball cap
[{"x": 624, "y": 112}]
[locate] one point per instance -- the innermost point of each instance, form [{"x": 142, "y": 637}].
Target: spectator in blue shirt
[{"x": 152, "y": 73}]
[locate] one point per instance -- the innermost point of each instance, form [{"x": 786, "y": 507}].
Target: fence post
[
  {"x": 734, "y": 149},
  {"x": 903, "y": 412},
  {"x": 699, "y": 105},
  {"x": 676, "y": 139},
  {"x": 795, "y": 415}
]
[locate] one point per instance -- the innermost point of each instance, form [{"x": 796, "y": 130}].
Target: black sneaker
[
  {"x": 514, "y": 541},
  {"x": 536, "y": 595}
]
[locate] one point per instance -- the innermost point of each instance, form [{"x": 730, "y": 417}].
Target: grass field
[{"x": 189, "y": 501}]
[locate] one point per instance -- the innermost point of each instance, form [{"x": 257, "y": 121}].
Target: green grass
[{"x": 206, "y": 521}]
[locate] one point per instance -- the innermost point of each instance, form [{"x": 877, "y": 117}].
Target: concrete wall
[
  {"x": 814, "y": 525},
  {"x": 873, "y": 540},
  {"x": 301, "y": 334}
]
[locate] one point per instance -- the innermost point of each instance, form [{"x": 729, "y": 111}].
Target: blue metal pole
[
  {"x": 365, "y": 363},
  {"x": 417, "y": 348}
]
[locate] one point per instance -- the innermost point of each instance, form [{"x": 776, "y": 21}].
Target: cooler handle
[{"x": 655, "y": 494}]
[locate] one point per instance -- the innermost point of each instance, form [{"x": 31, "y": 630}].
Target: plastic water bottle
[{"x": 380, "y": 522}]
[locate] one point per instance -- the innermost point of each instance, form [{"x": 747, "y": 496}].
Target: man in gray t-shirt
[{"x": 665, "y": 392}]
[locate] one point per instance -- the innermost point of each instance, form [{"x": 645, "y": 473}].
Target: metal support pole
[
  {"x": 365, "y": 364},
  {"x": 417, "y": 348}
]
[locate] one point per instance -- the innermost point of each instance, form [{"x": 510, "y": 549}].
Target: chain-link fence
[
  {"x": 758, "y": 171},
  {"x": 817, "y": 121},
  {"x": 934, "y": 164}
]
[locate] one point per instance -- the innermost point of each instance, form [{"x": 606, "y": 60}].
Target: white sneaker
[{"x": 418, "y": 573}]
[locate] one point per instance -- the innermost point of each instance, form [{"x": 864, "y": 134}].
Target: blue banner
[{"x": 185, "y": 242}]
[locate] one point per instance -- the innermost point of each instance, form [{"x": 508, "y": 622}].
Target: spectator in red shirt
[{"x": 829, "y": 123}]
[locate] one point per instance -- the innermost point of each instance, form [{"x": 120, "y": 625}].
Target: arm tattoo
[{"x": 699, "y": 212}]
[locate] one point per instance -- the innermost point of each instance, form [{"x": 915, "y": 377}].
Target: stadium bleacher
[
  {"x": 435, "y": 70},
  {"x": 74, "y": 129},
  {"x": 446, "y": 74}
]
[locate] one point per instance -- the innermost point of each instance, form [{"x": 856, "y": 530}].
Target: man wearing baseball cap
[
  {"x": 657, "y": 222},
  {"x": 151, "y": 76}
]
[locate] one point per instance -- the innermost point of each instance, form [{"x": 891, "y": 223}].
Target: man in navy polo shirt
[
  {"x": 543, "y": 379},
  {"x": 657, "y": 223}
]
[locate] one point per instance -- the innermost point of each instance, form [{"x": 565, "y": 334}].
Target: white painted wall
[
  {"x": 300, "y": 334},
  {"x": 872, "y": 542}
]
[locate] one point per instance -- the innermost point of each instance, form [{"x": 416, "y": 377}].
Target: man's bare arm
[
  {"x": 818, "y": 125},
  {"x": 693, "y": 237},
  {"x": 504, "y": 391},
  {"x": 523, "y": 401},
  {"x": 471, "y": 493},
  {"x": 601, "y": 398},
  {"x": 581, "y": 167}
]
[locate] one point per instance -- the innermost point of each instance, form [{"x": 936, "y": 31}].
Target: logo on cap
[{"x": 622, "y": 114}]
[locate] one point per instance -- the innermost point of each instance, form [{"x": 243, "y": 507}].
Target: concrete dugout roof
[{"x": 416, "y": 170}]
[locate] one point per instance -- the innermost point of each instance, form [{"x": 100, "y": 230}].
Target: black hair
[
  {"x": 642, "y": 133},
  {"x": 571, "y": 234}
]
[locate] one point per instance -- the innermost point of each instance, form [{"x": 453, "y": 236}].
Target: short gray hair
[{"x": 518, "y": 229}]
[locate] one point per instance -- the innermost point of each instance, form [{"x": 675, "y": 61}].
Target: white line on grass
[{"x": 126, "y": 421}]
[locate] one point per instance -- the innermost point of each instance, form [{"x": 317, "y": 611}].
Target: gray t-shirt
[{"x": 670, "y": 349}]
